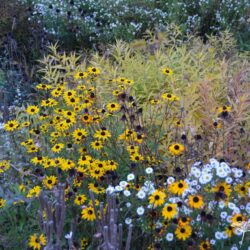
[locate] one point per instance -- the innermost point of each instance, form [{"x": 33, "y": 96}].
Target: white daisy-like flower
[
  {"x": 229, "y": 180},
  {"x": 123, "y": 184},
  {"x": 234, "y": 248},
  {"x": 128, "y": 221},
  {"x": 221, "y": 204},
  {"x": 214, "y": 163},
  {"x": 169, "y": 237},
  {"x": 110, "y": 190},
  {"x": 223, "y": 215},
  {"x": 238, "y": 173},
  {"x": 218, "y": 235},
  {"x": 205, "y": 178},
  {"x": 170, "y": 180},
  {"x": 212, "y": 242},
  {"x": 118, "y": 188},
  {"x": 128, "y": 204},
  {"x": 231, "y": 205},
  {"x": 140, "y": 210},
  {"x": 149, "y": 170},
  {"x": 238, "y": 231},
  {"x": 224, "y": 235},
  {"x": 126, "y": 193},
  {"x": 130, "y": 177},
  {"x": 229, "y": 219},
  {"x": 221, "y": 172},
  {"x": 141, "y": 194}
]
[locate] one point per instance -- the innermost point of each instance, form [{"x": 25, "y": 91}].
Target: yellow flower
[
  {"x": 57, "y": 147},
  {"x": 157, "y": 198},
  {"x": 88, "y": 214},
  {"x": 176, "y": 149},
  {"x": 178, "y": 187},
  {"x": 43, "y": 86},
  {"x": 183, "y": 232},
  {"x": 2, "y": 202},
  {"x": 96, "y": 188},
  {"x": 169, "y": 211},
  {"x": 102, "y": 134},
  {"x": 36, "y": 241},
  {"x": 84, "y": 160},
  {"x": 32, "y": 110},
  {"x": 112, "y": 107},
  {"x": 94, "y": 71},
  {"x": 80, "y": 133},
  {"x": 80, "y": 199},
  {"x": 4, "y": 165},
  {"x": 224, "y": 109},
  {"x": 86, "y": 118},
  {"x": 136, "y": 157},
  {"x": 167, "y": 71},
  {"x": 34, "y": 192},
  {"x": 49, "y": 103},
  {"x": 195, "y": 201},
  {"x": 80, "y": 75},
  {"x": 50, "y": 181},
  {"x": 205, "y": 245},
  {"x": 238, "y": 219},
  {"x": 97, "y": 145},
  {"x": 11, "y": 125},
  {"x": 222, "y": 188}
]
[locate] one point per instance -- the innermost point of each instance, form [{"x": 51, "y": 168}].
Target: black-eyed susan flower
[
  {"x": 97, "y": 145},
  {"x": 84, "y": 160},
  {"x": 136, "y": 157},
  {"x": 176, "y": 149},
  {"x": 11, "y": 125},
  {"x": 84, "y": 243},
  {"x": 230, "y": 230},
  {"x": 195, "y": 201},
  {"x": 80, "y": 133},
  {"x": 238, "y": 219},
  {"x": 157, "y": 198},
  {"x": 80, "y": 75},
  {"x": 86, "y": 118},
  {"x": 67, "y": 164},
  {"x": 169, "y": 211},
  {"x": 2, "y": 202},
  {"x": 34, "y": 192},
  {"x": 113, "y": 106},
  {"x": 32, "y": 110},
  {"x": 183, "y": 232},
  {"x": 80, "y": 199},
  {"x": 169, "y": 97},
  {"x": 72, "y": 101},
  {"x": 167, "y": 71},
  {"x": 178, "y": 187},
  {"x": 224, "y": 111},
  {"x": 93, "y": 71},
  {"x": 96, "y": 188},
  {"x": 88, "y": 213},
  {"x": 57, "y": 147},
  {"x": 49, "y": 103},
  {"x": 242, "y": 189},
  {"x": 50, "y": 181},
  {"x": 4, "y": 166},
  {"x": 37, "y": 241},
  {"x": 102, "y": 134},
  {"x": 43, "y": 86},
  {"x": 222, "y": 189},
  {"x": 205, "y": 245},
  {"x": 69, "y": 94},
  {"x": 96, "y": 173}
]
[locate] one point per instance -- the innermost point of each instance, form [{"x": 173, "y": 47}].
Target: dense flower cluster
[
  {"x": 75, "y": 139},
  {"x": 102, "y": 21}
]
